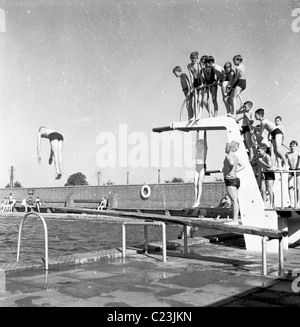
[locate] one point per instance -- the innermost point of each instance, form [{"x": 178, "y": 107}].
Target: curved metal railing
[{"x": 46, "y": 236}]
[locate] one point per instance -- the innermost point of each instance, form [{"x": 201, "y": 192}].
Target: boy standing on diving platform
[
  {"x": 186, "y": 89},
  {"x": 276, "y": 135}
]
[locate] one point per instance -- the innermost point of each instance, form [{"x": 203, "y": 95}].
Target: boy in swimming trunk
[
  {"x": 200, "y": 168},
  {"x": 56, "y": 147},
  {"x": 238, "y": 84},
  {"x": 229, "y": 76},
  {"x": 186, "y": 89},
  {"x": 213, "y": 74},
  {"x": 194, "y": 69},
  {"x": 276, "y": 135},
  {"x": 231, "y": 166},
  {"x": 293, "y": 158},
  {"x": 266, "y": 176},
  {"x": 246, "y": 114}
]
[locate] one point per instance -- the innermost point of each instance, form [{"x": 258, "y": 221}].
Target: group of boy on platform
[
  {"x": 203, "y": 80},
  {"x": 262, "y": 137}
]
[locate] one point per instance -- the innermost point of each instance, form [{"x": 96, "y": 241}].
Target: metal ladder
[{"x": 46, "y": 236}]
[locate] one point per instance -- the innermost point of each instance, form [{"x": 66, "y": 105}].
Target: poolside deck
[{"x": 213, "y": 274}]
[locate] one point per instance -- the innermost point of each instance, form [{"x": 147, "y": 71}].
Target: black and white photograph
[{"x": 150, "y": 160}]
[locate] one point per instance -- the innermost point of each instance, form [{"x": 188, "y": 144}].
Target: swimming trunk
[
  {"x": 268, "y": 175},
  {"x": 55, "y": 136},
  {"x": 210, "y": 82},
  {"x": 241, "y": 83},
  {"x": 232, "y": 182},
  {"x": 245, "y": 129},
  {"x": 200, "y": 166},
  {"x": 275, "y": 132},
  {"x": 197, "y": 82}
]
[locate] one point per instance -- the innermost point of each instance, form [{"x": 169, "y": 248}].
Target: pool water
[{"x": 67, "y": 237}]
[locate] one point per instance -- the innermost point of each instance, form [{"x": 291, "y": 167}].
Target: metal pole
[
  {"x": 281, "y": 262},
  {"x": 195, "y": 103},
  {"x": 264, "y": 254},
  {"x": 208, "y": 101},
  {"x": 99, "y": 177},
  {"x": 295, "y": 190},
  {"x": 281, "y": 181},
  {"x": 158, "y": 176},
  {"x": 164, "y": 242},
  {"x": 127, "y": 177},
  {"x": 146, "y": 238},
  {"x": 123, "y": 240},
  {"x": 185, "y": 242}
]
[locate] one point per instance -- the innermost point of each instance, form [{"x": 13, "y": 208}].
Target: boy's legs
[
  {"x": 248, "y": 142},
  {"x": 189, "y": 106},
  {"x": 56, "y": 149},
  {"x": 51, "y": 156},
  {"x": 269, "y": 188},
  {"x": 233, "y": 194},
  {"x": 277, "y": 142},
  {"x": 60, "y": 157},
  {"x": 196, "y": 185},
  {"x": 291, "y": 188},
  {"x": 263, "y": 189},
  {"x": 237, "y": 90},
  {"x": 199, "y": 176},
  {"x": 205, "y": 102},
  {"x": 227, "y": 103},
  {"x": 213, "y": 91}
]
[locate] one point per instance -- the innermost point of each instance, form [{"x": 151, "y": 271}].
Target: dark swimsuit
[
  {"x": 232, "y": 182},
  {"x": 275, "y": 132},
  {"x": 55, "y": 136},
  {"x": 197, "y": 82},
  {"x": 241, "y": 83},
  {"x": 245, "y": 129},
  {"x": 268, "y": 175}
]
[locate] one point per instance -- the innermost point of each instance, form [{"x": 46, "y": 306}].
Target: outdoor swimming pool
[{"x": 67, "y": 237}]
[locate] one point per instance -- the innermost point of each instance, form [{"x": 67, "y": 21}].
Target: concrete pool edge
[
  {"x": 90, "y": 257},
  {"x": 66, "y": 260}
]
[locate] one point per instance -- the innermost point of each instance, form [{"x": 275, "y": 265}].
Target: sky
[{"x": 100, "y": 73}]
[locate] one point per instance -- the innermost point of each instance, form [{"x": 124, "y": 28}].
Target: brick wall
[{"x": 163, "y": 196}]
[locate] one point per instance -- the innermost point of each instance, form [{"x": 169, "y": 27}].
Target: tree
[
  {"x": 109, "y": 182},
  {"x": 175, "y": 180},
  {"x": 76, "y": 179},
  {"x": 16, "y": 184}
]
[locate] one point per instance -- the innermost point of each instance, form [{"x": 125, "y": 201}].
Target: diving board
[{"x": 252, "y": 207}]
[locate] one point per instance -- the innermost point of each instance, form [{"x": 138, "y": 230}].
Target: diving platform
[
  {"x": 252, "y": 208},
  {"x": 215, "y": 123}
]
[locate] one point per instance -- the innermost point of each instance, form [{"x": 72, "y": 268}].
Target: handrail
[
  {"x": 201, "y": 87},
  {"x": 294, "y": 171},
  {"x": 46, "y": 236},
  {"x": 145, "y": 224}
]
